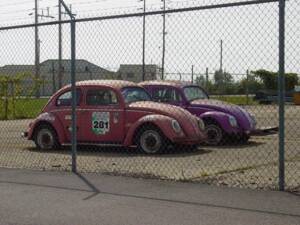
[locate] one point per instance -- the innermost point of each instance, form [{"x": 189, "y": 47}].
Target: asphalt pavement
[{"x": 37, "y": 197}]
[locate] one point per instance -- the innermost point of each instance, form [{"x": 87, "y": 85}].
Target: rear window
[
  {"x": 65, "y": 99},
  {"x": 101, "y": 97},
  {"x": 166, "y": 95},
  {"x": 135, "y": 94}
]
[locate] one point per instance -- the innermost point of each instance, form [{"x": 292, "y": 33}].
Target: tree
[
  {"x": 12, "y": 88},
  {"x": 252, "y": 84},
  {"x": 270, "y": 79},
  {"x": 224, "y": 83},
  {"x": 221, "y": 77},
  {"x": 201, "y": 81}
]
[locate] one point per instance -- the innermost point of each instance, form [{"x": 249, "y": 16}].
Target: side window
[
  {"x": 166, "y": 95},
  {"x": 101, "y": 97},
  {"x": 65, "y": 99}
]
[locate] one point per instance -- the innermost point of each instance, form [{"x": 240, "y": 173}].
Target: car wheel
[
  {"x": 45, "y": 138},
  {"x": 214, "y": 133},
  {"x": 151, "y": 140}
]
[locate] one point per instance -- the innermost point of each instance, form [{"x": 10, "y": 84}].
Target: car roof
[
  {"x": 173, "y": 83},
  {"x": 116, "y": 84}
]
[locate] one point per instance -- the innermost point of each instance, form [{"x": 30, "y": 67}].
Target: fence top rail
[{"x": 168, "y": 11}]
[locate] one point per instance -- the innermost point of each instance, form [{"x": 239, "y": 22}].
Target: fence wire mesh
[{"x": 218, "y": 64}]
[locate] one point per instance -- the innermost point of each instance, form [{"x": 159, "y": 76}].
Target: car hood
[
  {"x": 243, "y": 117},
  {"x": 185, "y": 118},
  {"x": 161, "y": 108}
]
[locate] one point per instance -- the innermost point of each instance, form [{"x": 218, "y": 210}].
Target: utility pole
[
  {"x": 192, "y": 74},
  {"x": 206, "y": 73},
  {"x": 221, "y": 56},
  {"x": 60, "y": 70},
  {"x": 37, "y": 44},
  {"x": 144, "y": 33},
  {"x": 164, "y": 36},
  {"x": 59, "y": 46},
  {"x": 247, "y": 87},
  {"x": 53, "y": 78}
]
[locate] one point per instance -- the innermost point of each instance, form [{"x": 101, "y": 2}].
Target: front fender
[
  {"x": 161, "y": 121},
  {"x": 221, "y": 118},
  {"x": 50, "y": 119}
]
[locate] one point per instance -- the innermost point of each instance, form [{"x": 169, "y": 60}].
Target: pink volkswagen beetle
[{"x": 111, "y": 112}]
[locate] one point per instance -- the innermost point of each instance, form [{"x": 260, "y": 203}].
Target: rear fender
[
  {"x": 161, "y": 121},
  {"x": 50, "y": 119}
]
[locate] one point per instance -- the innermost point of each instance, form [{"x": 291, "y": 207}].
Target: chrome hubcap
[
  {"x": 45, "y": 139},
  {"x": 214, "y": 134},
  {"x": 150, "y": 141}
]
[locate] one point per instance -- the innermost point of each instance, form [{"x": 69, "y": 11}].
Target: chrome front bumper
[{"x": 264, "y": 131}]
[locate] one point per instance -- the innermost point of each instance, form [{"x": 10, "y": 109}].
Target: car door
[
  {"x": 101, "y": 120},
  {"x": 63, "y": 110}
]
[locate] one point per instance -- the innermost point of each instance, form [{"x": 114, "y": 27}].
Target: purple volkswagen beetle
[{"x": 223, "y": 121}]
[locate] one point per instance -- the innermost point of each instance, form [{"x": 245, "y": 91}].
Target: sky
[
  {"x": 16, "y": 11},
  {"x": 249, "y": 34}
]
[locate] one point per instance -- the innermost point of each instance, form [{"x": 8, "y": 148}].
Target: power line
[
  {"x": 133, "y": 7},
  {"x": 15, "y": 11},
  {"x": 17, "y": 4},
  {"x": 118, "y": 8},
  {"x": 18, "y": 18},
  {"x": 98, "y": 1}
]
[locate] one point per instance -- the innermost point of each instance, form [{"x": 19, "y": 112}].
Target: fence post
[
  {"x": 74, "y": 97},
  {"x": 281, "y": 93},
  {"x": 73, "y": 88},
  {"x": 144, "y": 29}
]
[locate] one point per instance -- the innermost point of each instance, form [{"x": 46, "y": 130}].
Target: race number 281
[{"x": 100, "y": 122}]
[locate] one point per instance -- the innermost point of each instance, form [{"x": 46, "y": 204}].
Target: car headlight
[
  {"x": 232, "y": 121},
  {"x": 176, "y": 127},
  {"x": 201, "y": 124}
]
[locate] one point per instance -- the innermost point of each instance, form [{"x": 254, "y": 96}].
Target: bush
[{"x": 12, "y": 88}]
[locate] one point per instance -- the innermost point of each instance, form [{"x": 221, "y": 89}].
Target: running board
[{"x": 95, "y": 144}]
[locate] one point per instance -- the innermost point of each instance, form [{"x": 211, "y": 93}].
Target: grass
[
  {"x": 235, "y": 99},
  {"x": 30, "y": 107},
  {"x": 23, "y": 109}
]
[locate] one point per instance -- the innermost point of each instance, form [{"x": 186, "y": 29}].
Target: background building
[
  {"x": 49, "y": 73},
  {"x": 134, "y": 72}
]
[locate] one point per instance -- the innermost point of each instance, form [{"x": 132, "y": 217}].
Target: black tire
[
  {"x": 215, "y": 134},
  {"x": 244, "y": 138},
  {"x": 45, "y": 137},
  {"x": 187, "y": 147},
  {"x": 239, "y": 139},
  {"x": 151, "y": 140}
]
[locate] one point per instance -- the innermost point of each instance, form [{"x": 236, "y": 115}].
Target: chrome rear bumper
[{"x": 24, "y": 134}]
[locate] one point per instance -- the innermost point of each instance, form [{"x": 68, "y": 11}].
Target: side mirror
[{"x": 187, "y": 103}]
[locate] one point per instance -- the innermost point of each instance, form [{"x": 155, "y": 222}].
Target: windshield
[
  {"x": 193, "y": 93},
  {"x": 135, "y": 94}
]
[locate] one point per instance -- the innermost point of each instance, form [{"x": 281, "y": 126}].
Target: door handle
[{"x": 83, "y": 112}]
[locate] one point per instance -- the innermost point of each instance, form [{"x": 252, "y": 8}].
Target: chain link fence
[{"x": 217, "y": 61}]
